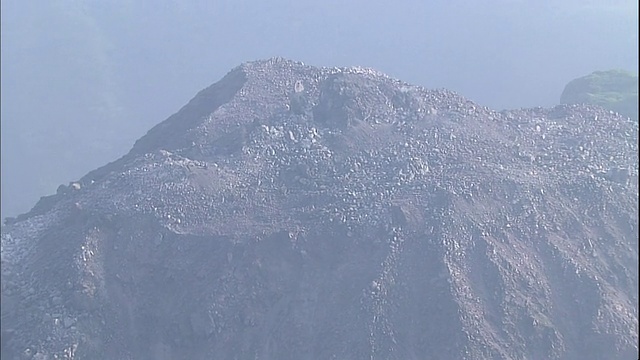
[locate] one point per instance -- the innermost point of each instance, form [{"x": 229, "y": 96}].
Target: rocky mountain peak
[
  {"x": 289, "y": 211},
  {"x": 267, "y": 87}
]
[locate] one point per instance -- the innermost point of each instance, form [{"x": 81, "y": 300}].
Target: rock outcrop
[{"x": 294, "y": 212}]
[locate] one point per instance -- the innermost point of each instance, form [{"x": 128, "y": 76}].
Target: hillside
[
  {"x": 614, "y": 90},
  {"x": 295, "y": 212}
]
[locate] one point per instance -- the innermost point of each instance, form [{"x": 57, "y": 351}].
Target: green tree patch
[{"x": 615, "y": 90}]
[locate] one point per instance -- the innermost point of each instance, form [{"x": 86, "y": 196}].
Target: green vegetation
[{"x": 615, "y": 90}]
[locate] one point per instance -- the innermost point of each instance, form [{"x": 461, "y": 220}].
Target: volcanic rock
[{"x": 294, "y": 212}]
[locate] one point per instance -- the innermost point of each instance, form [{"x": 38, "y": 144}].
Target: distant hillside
[{"x": 615, "y": 90}]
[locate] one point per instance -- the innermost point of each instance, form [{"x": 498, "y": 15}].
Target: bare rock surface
[{"x": 294, "y": 212}]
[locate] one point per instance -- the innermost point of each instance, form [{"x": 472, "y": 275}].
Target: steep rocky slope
[{"x": 293, "y": 212}]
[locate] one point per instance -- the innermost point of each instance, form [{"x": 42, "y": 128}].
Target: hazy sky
[{"x": 82, "y": 80}]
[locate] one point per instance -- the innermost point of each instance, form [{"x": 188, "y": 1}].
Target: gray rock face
[{"x": 293, "y": 212}]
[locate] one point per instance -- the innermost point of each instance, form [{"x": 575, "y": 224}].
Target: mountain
[
  {"x": 82, "y": 80},
  {"x": 615, "y": 90},
  {"x": 295, "y": 212}
]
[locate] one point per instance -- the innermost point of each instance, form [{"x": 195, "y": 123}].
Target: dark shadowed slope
[{"x": 293, "y": 212}]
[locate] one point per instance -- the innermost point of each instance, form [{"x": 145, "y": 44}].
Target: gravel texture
[{"x": 294, "y": 212}]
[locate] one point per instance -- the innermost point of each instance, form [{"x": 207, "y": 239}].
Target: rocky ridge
[{"x": 297, "y": 212}]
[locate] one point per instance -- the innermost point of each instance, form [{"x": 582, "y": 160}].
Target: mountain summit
[{"x": 294, "y": 212}]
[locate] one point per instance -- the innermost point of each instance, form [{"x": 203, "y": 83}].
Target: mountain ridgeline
[{"x": 294, "y": 212}]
